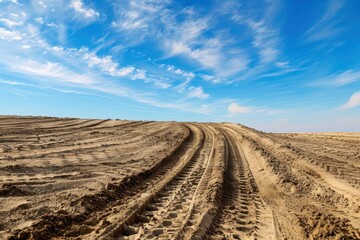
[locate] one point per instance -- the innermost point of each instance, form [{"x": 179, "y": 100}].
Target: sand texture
[{"x": 66, "y": 178}]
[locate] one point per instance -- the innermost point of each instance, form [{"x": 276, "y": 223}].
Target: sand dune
[{"x": 113, "y": 179}]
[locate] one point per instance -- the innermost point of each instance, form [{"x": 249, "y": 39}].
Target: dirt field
[{"x": 107, "y": 179}]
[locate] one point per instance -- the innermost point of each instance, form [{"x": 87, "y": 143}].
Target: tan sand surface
[{"x": 66, "y": 178}]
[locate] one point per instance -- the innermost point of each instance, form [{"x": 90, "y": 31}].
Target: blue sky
[{"x": 273, "y": 65}]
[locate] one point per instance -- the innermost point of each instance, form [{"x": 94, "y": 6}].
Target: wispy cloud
[
  {"x": 106, "y": 63},
  {"x": 83, "y": 11},
  {"x": 188, "y": 40},
  {"x": 234, "y": 109},
  {"x": 328, "y": 25},
  {"x": 107, "y": 66},
  {"x": 266, "y": 40},
  {"x": 136, "y": 20},
  {"x": 263, "y": 31},
  {"x": 188, "y": 76},
  {"x": 24, "y": 84},
  {"x": 213, "y": 79},
  {"x": 353, "y": 102},
  {"x": 52, "y": 70},
  {"x": 346, "y": 77},
  {"x": 181, "y": 33},
  {"x": 140, "y": 13},
  {"x": 338, "y": 79}
]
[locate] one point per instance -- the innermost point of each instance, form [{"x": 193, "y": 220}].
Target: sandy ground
[{"x": 106, "y": 179}]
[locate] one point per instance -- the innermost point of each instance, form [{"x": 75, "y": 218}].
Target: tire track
[
  {"x": 261, "y": 219},
  {"x": 148, "y": 198},
  {"x": 298, "y": 187},
  {"x": 100, "y": 205},
  {"x": 239, "y": 211},
  {"x": 94, "y": 145},
  {"x": 169, "y": 206},
  {"x": 103, "y": 179},
  {"x": 209, "y": 192},
  {"x": 186, "y": 223}
]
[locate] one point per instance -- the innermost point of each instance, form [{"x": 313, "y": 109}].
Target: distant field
[{"x": 107, "y": 179}]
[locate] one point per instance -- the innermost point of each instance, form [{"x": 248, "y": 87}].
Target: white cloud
[
  {"x": 161, "y": 84},
  {"x": 173, "y": 69},
  {"x": 54, "y": 25},
  {"x": 11, "y": 23},
  {"x": 209, "y": 53},
  {"x": 180, "y": 33},
  {"x": 354, "y": 101},
  {"x": 53, "y": 71},
  {"x": 12, "y": 1},
  {"x": 139, "y": 74},
  {"x": 105, "y": 64},
  {"x": 125, "y": 71},
  {"x": 235, "y": 108},
  {"x": 282, "y": 64},
  {"x": 57, "y": 49},
  {"x": 197, "y": 92},
  {"x": 187, "y": 40},
  {"x": 177, "y": 47},
  {"x": 85, "y": 12},
  {"x": 9, "y": 35},
  {"x": 213, "y": 79}
]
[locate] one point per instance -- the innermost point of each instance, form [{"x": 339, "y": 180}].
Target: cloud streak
[
  {"x": 234, "y": 109},
  {"x": 339, "y": 79},
  {"x": 327, "y": 26},
  {"x": 52, "y": 70}
]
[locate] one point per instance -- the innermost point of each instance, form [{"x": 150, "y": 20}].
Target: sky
[{"x": 278, "y": 66}]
